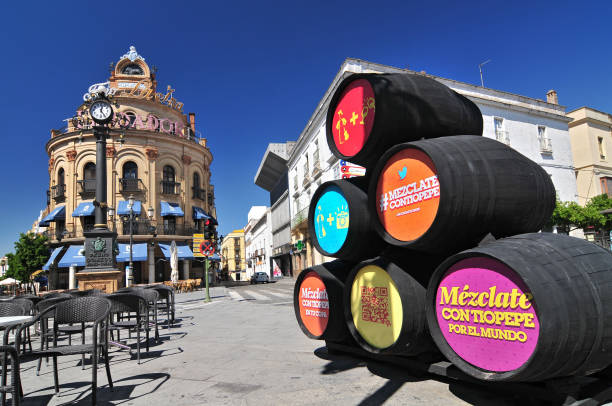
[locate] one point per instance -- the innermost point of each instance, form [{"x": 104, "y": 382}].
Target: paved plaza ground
[{"x": 244, "y": 348}]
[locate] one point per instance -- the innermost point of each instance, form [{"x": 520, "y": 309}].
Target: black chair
[
  {"x": 45, "y": 334},
  {"x": 28, "y": 306},
  {"x": 10, "y": 308},
  {"x": 152, "y": 297},
  {"x": 132, "y": 313},
  {"x": 53, "y": 295},
  {"x": 84, "y": 293},
  {"x": 8, "y": 351},
  {"x": 166, "y": 294},
  {"x": 92, "y": 309}
]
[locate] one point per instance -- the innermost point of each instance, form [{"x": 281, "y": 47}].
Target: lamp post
[{"x": 129, "y": 277}]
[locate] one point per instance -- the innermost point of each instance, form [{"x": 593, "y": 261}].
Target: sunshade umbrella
[
  {"x": 9, "y": 281},
  {"x": 174, "y": 262}
]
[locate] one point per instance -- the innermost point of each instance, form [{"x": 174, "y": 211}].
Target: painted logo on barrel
[
  {"x": 354, "y": 117},
  {"x": 408, "y": 195},
  {"x": 331, "y": 219},
  {"x": 376, "y": 307},
  {"x": 486, "y": 314},
  {"x": 314, "y": 304}
]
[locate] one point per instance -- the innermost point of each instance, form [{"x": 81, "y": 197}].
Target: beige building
[
  {"x": 233, "y": 255},
  {"x": 154, "y": 154},
  {"x": 591, "y": 137}
]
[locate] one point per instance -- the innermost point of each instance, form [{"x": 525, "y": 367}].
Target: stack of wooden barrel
[{"x": 438, "y": 245}]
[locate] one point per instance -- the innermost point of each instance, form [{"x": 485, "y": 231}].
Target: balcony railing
[
  {"x": 139, "y": 227},
  {"x": 87, "y": 186},
  {"x": 199, "y": 193},
  {"x": 300, "y": 217},
  {"x": 131, "y": 185},
  {"x": 170, "y": 188},
  {"x": 58, "y": 192},
  {"x": 502, "y": 136},
  {"x": 545, "y": 145},
  {"x": 176, "y": 229}
]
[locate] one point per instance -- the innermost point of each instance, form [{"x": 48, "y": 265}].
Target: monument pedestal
[{"x": 106, "y": 281}]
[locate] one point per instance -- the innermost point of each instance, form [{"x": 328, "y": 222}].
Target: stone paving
[{"x": 243, "y": 348}]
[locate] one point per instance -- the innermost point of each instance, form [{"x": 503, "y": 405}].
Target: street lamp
[{"x": 129, "y": 277}]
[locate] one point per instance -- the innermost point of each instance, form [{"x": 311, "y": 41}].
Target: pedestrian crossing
[{"x": 258, "y": 295}]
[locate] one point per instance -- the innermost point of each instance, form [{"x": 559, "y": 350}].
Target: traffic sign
[{"x": 197, "y": 240}]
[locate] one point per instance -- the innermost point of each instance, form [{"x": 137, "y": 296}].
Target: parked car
[{"x": 260, "y": 277}]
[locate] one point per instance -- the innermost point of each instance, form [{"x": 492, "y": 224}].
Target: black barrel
[
  {"x": 446, "y": 194},
  {"x": 384, "y": 305},
  {"x": 525, "y": 308},
  {"x": 369, "y": 113},
  {"x": 339, "y": 221},
  {"x": 317, "y": 301}
]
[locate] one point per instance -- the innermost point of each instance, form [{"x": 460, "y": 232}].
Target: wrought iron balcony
[
  {"x": 170, "y": 188},
  {"x": 58, "y": 192},
  {"x": 176, "y": 229},
  {"x": 139, "y": 227},
  {"x": 300, "y": 217},
  {"x": 199, "y": 193},
  {"x": 131, "y": 185},
  {"x": 87, "y": 187}
]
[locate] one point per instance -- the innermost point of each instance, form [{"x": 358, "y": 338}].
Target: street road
[{"x": 245, "y": 348}]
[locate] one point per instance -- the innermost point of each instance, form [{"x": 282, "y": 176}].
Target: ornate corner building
[{"x": 155, "y": 154}]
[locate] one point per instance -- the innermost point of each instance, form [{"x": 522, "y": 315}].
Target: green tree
[
  {"x": 31, "y": 253},
  {"x": 595, "y": 206}
]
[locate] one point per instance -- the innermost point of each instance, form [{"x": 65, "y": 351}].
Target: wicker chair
[
  {"x": 84, "y": 293},
  {"x": 44, "y": 325},
  {"x": 135, "y": 307},
  {"x": 10, "y": 308},
  {"x": 8, "y": 351},
  {"x": 28, "y": 305},
  {"x": 152, "y": 297},
  {"x": 166, "y": 294},
  {"x": 79, "y": 310}
]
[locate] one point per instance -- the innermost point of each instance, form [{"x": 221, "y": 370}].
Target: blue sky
[{"x": 253, "y": 72}]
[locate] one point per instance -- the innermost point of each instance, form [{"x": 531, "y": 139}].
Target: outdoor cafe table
[{"x": 9, "y": 321}]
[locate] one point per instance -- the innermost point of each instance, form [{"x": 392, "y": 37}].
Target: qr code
[{"x": 375, "y": 305}]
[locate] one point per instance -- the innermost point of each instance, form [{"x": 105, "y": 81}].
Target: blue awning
[
  {"x": 52, "y": 258},
  {"x": 73, "y": 257},
  {"x": 215, "y": 258},
  {"x": 171, "y": 209},
  {"x": 84, "y": 209},
  {"x": 122, "y": 208},
  {"x": 199, "y": 214},
  {"x": 184, "y": 252},
  {"x": 139, "y": 252},
  {"x": 59, "y": 213}
]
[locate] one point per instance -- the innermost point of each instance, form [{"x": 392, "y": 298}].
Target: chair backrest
[
  {"x": 55, "y": 294},
  {"x": 35, "y": 299},
  {"x": 82, "y": 310},
  {"x": 84, "y": 293},
  {"x": 164, "y": 291},
  {"x": 127, "y": 302},
  {"x": 46, "y": 303},
  {"x": 12, "y": 309},
  {"x": 27, "y": 303}
]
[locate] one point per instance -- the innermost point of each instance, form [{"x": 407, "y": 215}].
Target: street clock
[{"x": 101, "y": 111}]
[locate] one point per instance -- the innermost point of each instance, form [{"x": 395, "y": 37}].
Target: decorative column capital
[
  {"x": 71, "y": 155},
  {"x": 110, "y": 151},
  {"x": 152, "y": 153}
]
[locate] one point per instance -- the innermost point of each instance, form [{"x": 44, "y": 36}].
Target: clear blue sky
[{"x": 253, "y": 72}]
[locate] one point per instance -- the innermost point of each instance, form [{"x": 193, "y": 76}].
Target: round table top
[{"x": 12, "y": 320}]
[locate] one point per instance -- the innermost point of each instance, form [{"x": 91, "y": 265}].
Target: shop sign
[
  {"x": 144, "y": 90},
  {"x": 138, "y": 122},
  {"x": 314, "y": 304},
  {"x": 331, "y": 220}
]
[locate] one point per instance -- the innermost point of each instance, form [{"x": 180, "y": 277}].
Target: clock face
[{"x": 101, "y": 111}]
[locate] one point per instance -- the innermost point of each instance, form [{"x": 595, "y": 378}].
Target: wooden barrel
[
  {"x": 445, "y": 194},
  {"x": 339, "y": 221},
  {"x": 525, "y": 308},
  {"x": 384, "y": 306},
  {"x": 369, "y": 113},
  {"x": 318, "y": 301}
]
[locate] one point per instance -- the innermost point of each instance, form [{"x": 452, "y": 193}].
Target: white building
[
  {"x": 538, "y": 129},
  {"x": 258, "y": 241}
]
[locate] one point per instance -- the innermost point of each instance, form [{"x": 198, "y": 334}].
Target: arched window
[
  {"x": 132, "y": 69},
  {"x": 168, "y": 173},
  {"x": 168, "y": 181},
  {"x": 130, "y": 170},
  {"x": 129, "y": 181},
  {"x": 60, "y": 177},
  {"x": 89, "y": 172},
  {"x": 196, "y": 186}
]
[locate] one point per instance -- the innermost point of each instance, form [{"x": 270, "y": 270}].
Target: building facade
[
  {"x": 154, "y": 155},
  {"x": 258, "y": 241},
  {"x": 233, "y": 256},
  {"x": 538, "y": 129},
  {"x": 591, "y": 136},
  {"x": 272, "y": 176}
]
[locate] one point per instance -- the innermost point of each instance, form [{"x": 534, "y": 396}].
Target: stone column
[
  {"x": 186, "y": 269},
  {"x": 71, "y": 277},
  {"x": 151, "y": 256}
]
